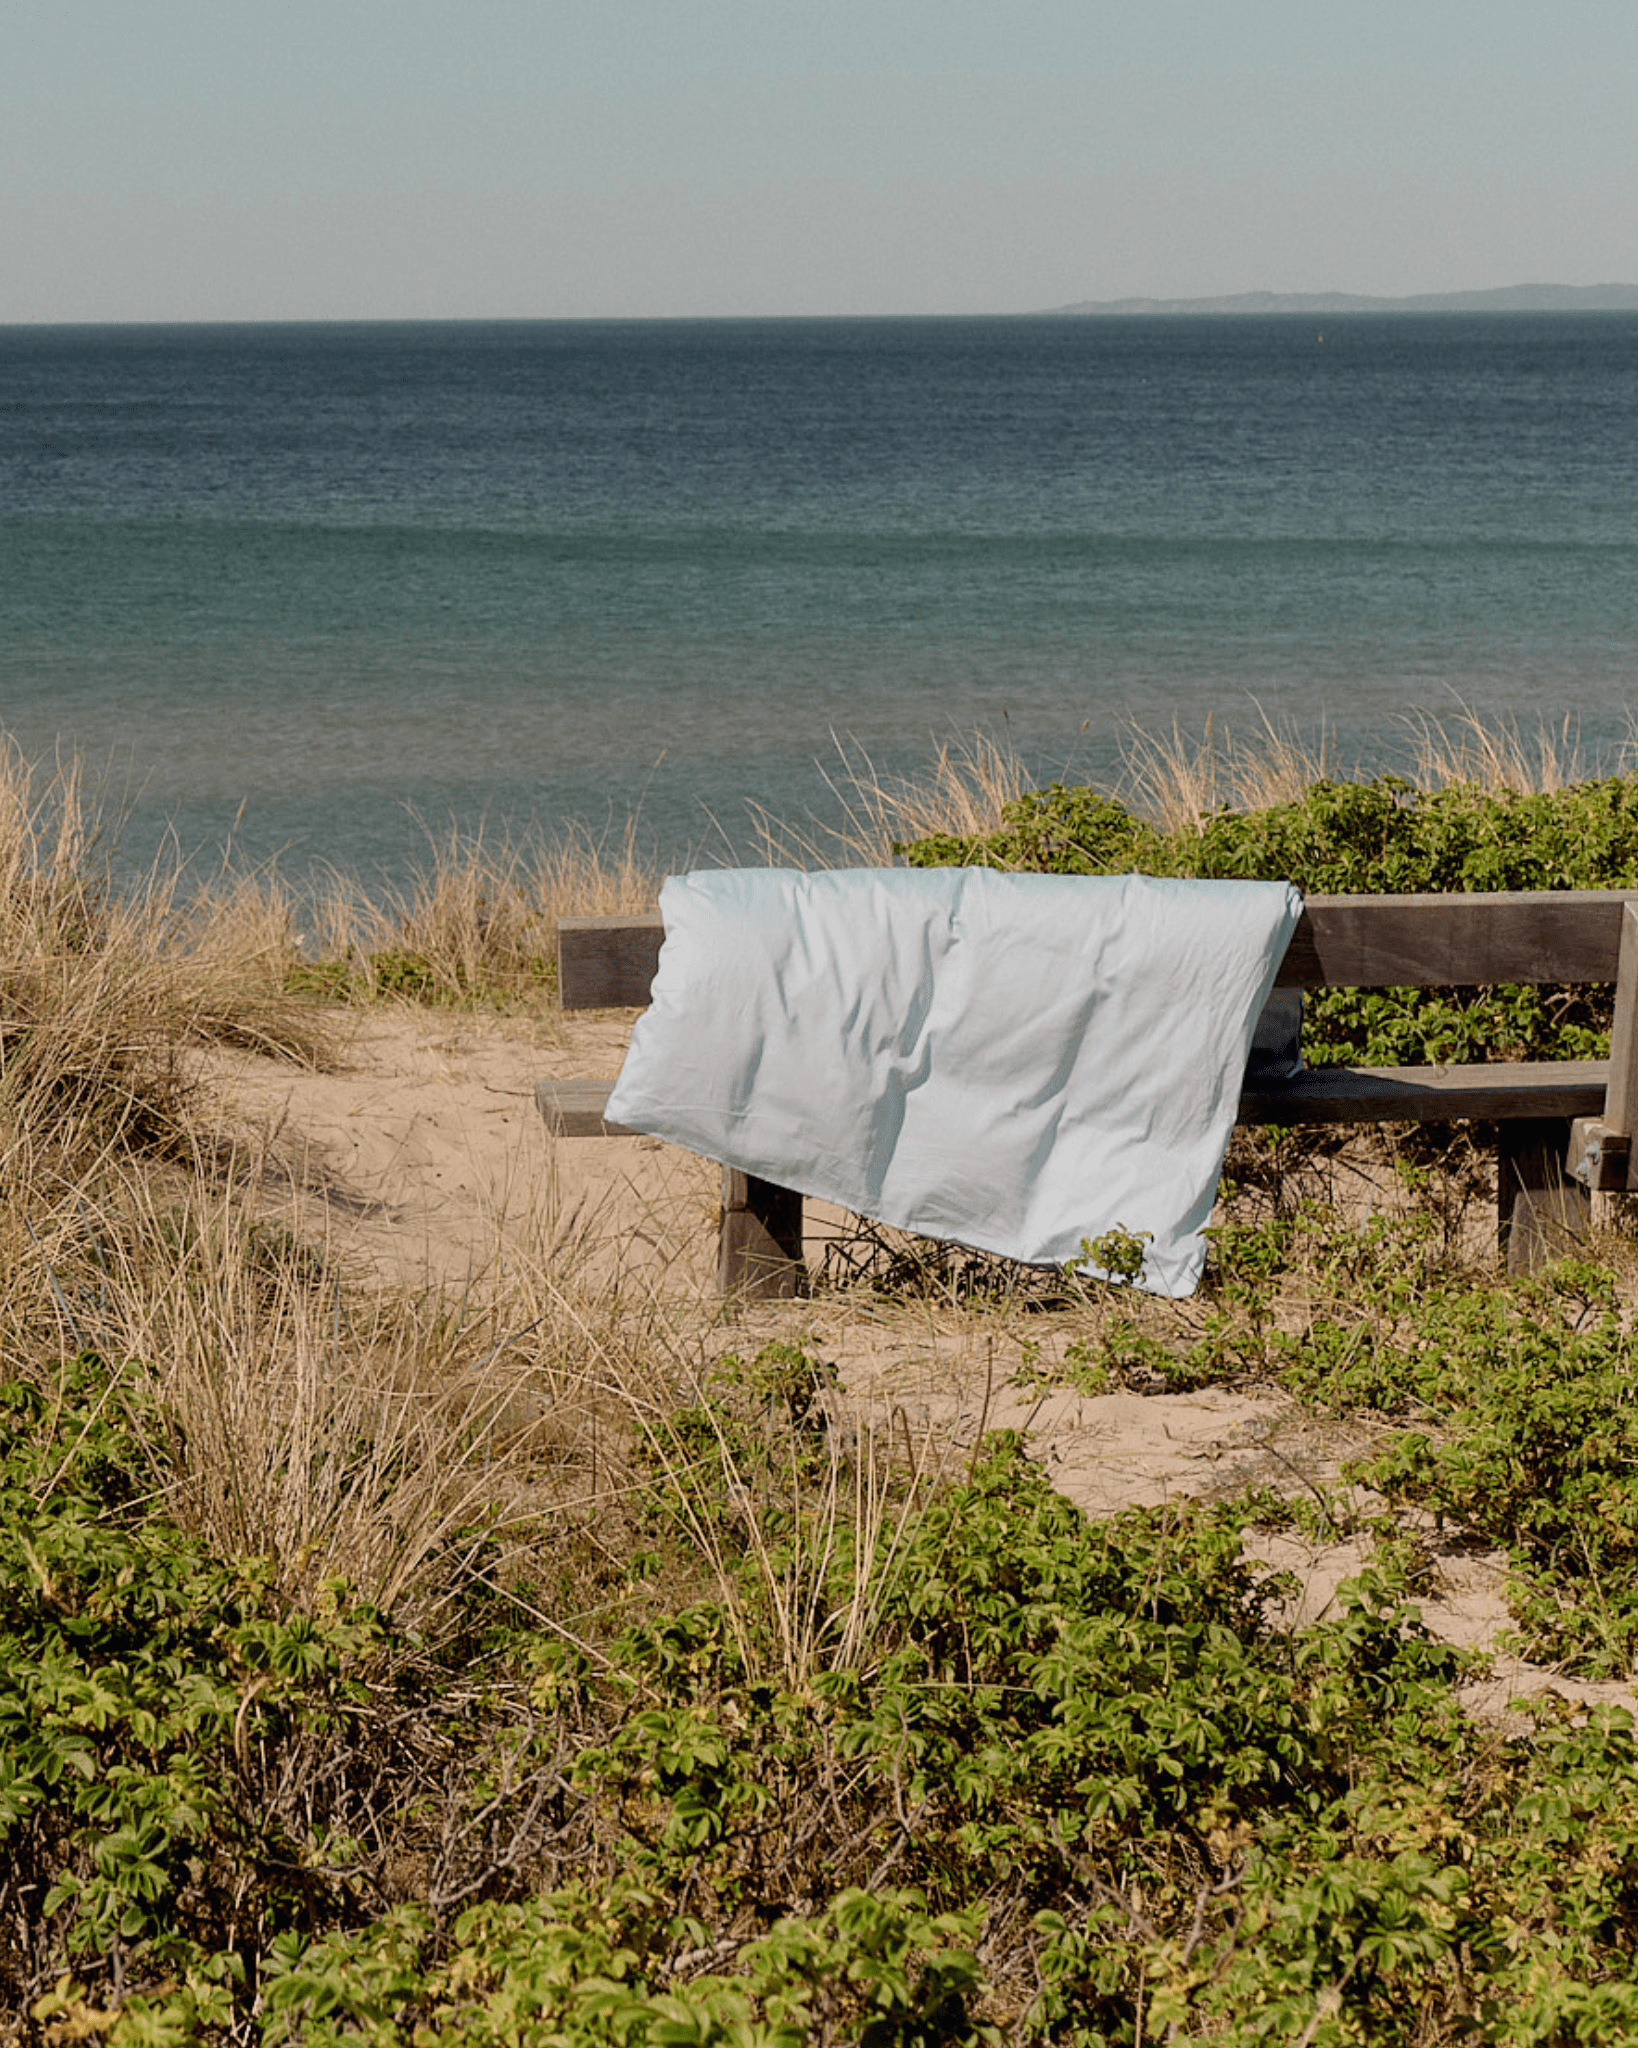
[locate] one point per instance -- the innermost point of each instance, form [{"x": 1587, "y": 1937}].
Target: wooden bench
[{"x": 1564, "y": 1127}]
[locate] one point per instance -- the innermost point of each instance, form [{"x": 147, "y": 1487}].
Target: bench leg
[
  {"x": 1540, "y": 1212},
  {"x": 759, "y": 1251}
]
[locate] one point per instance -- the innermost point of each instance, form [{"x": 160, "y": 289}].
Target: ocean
[{"x": 318, "y": 594}]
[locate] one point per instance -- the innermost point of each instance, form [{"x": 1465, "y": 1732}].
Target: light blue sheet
[{"x": 1015, "y": 1062}]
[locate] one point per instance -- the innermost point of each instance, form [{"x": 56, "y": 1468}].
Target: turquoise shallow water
[{"x": 321, "y": 588}]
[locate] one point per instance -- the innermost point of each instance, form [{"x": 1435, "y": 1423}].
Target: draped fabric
[{"x": 1015, "y": 1062}]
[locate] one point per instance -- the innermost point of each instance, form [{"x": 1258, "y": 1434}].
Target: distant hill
[{"x": 1512, "y": 298}]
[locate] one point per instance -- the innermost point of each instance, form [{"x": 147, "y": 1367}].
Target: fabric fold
[{"x": 1015, "y": 1062}]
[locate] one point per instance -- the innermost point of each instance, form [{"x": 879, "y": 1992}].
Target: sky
[{"x": 410, "y": 159}]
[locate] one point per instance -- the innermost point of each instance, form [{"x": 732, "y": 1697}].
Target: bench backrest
[{"x": 1342, "y": 942}]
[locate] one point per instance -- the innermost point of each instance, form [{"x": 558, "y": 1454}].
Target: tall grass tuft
[
  {"x": 1179, "y": 783},
  {"x": 105, "y": 983},
  {"x": 394, "y": 1439},
  {"x": 796, "y": 1504},
  {"x": 966, "y": 790},
  {"x": 292, "y": 1414},
  {"x": 1493, "y": 755},
  {"x": 477, "y": 920}
]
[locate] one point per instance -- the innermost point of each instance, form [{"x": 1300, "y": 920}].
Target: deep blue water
[{"x": 305, "y": 585}]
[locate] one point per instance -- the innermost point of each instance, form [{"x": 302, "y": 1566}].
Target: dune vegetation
[{"x": 552, "y": 1663}]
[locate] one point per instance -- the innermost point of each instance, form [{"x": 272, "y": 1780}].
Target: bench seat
[
  {"x": 1322, "y": 1095},
  {"x": 1563, "y": 1126}
]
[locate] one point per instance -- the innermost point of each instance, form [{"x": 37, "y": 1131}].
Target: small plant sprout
[{"x": 1115, "y": 1256}]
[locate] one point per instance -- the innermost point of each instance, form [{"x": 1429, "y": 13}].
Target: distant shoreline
[{"x": 1513, "y": 298}]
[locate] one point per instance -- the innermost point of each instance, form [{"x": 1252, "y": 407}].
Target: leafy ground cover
[{"x": 1074, "y": 1782}]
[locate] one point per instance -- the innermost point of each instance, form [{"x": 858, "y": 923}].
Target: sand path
[{"x": 421, "y": 1159}]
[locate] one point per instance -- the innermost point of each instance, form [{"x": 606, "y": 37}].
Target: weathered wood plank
[
  {"x": 574, "y": 1109},
  {"x": 1571, "y": 935},
  {"x": 759, "y": 1246},
  {"x": 1503, "y": 1092},
  {"x": 1342, "y": 942},
  {"x": 607, "y": 963},
  {"x": 1621, "y": 1104},
  {"x": 1598, "y": 1157},
  {"x": 1324, "y": 1095},
  {"x": 1541, "y": 1213}
]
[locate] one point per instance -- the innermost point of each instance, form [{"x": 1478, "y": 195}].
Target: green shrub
[
  {"x": 1381, "y": 837},
  {"x": 1082, "y": 1783},
  {"x": 143, "y": 1686},
  {"x": 582, "y": 1967}
]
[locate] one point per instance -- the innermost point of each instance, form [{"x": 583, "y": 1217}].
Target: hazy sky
[{"x": 251, "y": 159}]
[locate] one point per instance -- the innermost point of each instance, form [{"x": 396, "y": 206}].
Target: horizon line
[{"x": 1501, "y": 299}]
